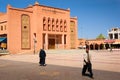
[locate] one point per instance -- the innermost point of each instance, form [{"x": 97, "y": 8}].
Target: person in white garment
[{"x": 87, "y": 65}]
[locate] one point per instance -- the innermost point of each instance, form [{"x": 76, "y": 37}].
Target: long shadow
[{"x": 18, "y": 70}]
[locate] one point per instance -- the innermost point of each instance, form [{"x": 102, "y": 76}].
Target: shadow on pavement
[{"x": 16, "y": 70}]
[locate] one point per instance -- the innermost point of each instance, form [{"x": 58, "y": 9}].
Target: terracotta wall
[{"x": 36, "y": 14}]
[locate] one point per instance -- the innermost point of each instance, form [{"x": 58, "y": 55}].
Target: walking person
[
  {"x": 42, "y": 56},
  {"x": 87, "y": 65}
]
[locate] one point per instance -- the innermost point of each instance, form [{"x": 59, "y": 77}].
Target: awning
[
  {"x": 109, "y": 41},
  {"x": 3, "y": 39}
]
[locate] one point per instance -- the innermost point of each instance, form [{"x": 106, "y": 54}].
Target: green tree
[{"x": 100, "y": 36}]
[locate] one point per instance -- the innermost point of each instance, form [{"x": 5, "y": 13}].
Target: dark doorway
[
  {"x": 106, "y": 45},
  {"x": 51, "y": 44},
  {"x": 91, "y": 46},
  {"x": 96, "y": 46},
  {"x": 101, "y": 46}
]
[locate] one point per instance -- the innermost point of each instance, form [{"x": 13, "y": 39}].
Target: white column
[
  {"x": 118, "y": 34},
  {"x": 113, "y": 36}
]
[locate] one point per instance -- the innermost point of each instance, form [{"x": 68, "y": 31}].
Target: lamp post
[{"x": 35, "y": 41}]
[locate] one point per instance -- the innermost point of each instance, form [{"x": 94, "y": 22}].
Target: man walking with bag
[{"x": 87, "y": 63}]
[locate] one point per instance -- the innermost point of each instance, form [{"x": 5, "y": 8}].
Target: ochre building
[
  {"x": 38, "y": 26},
  {"x": 99, "y": 44}
]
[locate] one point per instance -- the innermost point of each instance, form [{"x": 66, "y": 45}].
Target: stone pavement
[{"x": 61, "y": 65}]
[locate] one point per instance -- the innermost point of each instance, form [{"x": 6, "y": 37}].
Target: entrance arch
[
  {"x": 96, "y": 46},
  {"x": 101, "y": 46},
  {"x": 91, "y": 46}
]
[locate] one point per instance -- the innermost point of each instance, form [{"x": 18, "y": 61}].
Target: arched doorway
[
  {"x": 96, "y": 46},
  {"x": 106, "y": 45},
  {"x": 91, "y": 46},
  {"x": 101, "y": 46}
]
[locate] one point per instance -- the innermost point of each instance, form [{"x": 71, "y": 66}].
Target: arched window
[
  {"x": 49, "y": 24},
  {"x": 48, "y": 20},
  {"x": 65, "y": 26},
  {"x": 61, "y": 22},
  {"x": 65, "y": 23},
  {"x": 44, "y": 20},
  {"x": 61, "y": 25},
  {"x": 57, "y": 25},
  {"x": 53, "y": 21},
  {"x": 57, "y": 22},
  {"x": 44, "y": 24},
  {"x": 53, "y": 24},
  {"x": 1, "y": 28}
]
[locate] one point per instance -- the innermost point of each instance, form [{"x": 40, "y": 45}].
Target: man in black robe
[{"x": 42, "y": 56}]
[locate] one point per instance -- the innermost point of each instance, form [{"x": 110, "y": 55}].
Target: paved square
[{"x": 61, "y": 65}]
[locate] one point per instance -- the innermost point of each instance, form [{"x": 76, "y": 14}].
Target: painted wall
[{"x": 36, "y": 14}]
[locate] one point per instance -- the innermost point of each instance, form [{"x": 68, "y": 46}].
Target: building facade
[
  {"x": 114, "y": 33},
  {"x": 93, "y": 44},
  {"x": 113, "y": 41},
  {"x": 38, "y": 26}
]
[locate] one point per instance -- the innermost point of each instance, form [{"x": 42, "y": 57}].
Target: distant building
[
  {"x": 81, "y": 43},
  {"x": 114, "y": 33},
  {"x": 99, "y": 44},
  {"x": 38, "y": 26},
  {"x": 113, "y": 41},
  {"x": 94, "y": 44}
]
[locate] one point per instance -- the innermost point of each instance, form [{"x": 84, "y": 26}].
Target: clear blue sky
[{"x": 94, "y": 16}]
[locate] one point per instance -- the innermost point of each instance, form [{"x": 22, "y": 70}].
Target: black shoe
[{"x": 92, "y": 77}]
